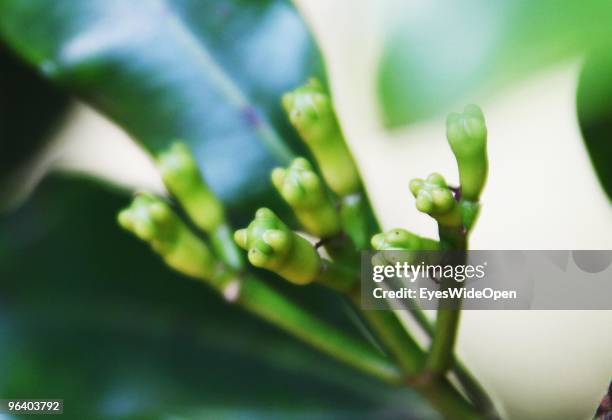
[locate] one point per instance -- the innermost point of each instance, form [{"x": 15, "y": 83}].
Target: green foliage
[
  {"x": 173, "y": 69},
  {"x": 438, "y": 53},
  {"x": 594, "y": 107},
  {"x": 29, "y": 111},
  {"x": 90, "y": 315},
  {"x": 98, "y": 319},
  {"x": 179, "y": 69}
]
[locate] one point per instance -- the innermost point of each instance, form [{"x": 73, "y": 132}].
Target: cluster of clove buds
[{"x": 328, "y": 200}]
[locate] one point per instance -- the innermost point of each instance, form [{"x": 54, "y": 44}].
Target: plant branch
[
  {"x": 260, "y": 299},
  {"x": 440, "y": 358},
  {"x": 400, "y": 344},
  {"x": 468, "y": 382},
  {"x": 153, "y": 221},
  {"x": 411, "y": 359},
  {"x": 337, "y": 276},
  {"x": 441, "y": 352}
]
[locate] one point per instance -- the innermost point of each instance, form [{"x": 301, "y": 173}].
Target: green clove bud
[
  {"x": 273, "y": 246},
  {"x": 153, "y": 221},
  {"x": 467, "y": 136},
  {"x": 304, "y": 191},
  {"x": 389, "y": 243},
  {"x": 311, "y": 112},
  {"x": 435, "y": 198},
  {"x": 402, "y": 240},
  {"x": 182, "y": 177}
]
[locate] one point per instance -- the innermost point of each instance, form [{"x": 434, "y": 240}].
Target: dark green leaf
[
  {"x": 89, "y": 314},
  {"x": 29, "y": 110},
  {"x": 594, "y": 105},
  {"x": 208, "y": 72}
]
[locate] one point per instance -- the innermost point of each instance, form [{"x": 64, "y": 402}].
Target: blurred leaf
[
  {"x": 30, "y": 108},
  {"x": 209, "y": 72},
  {"x": 594, "y": 105},
  {"x": 89, "y": 314},
  {"x": 438, "y": 54}
]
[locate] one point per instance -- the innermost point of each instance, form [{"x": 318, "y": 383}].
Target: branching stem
[{"x": 257, "y": 297}]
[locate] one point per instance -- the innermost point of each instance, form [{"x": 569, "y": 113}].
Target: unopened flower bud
[
  {"x": 311, "y": 112},
  {"x": 272, "y": 245},
  {"x": 467, "y": 136},
  {"x": 435, "y": 198},
  {"x": 153, "y": 221},
  {"x": 305, "y": 193},
  {"x": 399, "y": 245},
  {"x": 401, "y": 239},
  {"x": 183, "y": 179}
]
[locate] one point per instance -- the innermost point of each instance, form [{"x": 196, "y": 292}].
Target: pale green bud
[
  {"x": 467, "y": 136},
  {"x": 435, "y": 198},
  {"x": 183, "y": 180},
  {"x": 304, "y": 191},
  {"x": 311, "y": 112},
  {"x": 272, "y": 245},
  {"x": 153, "y": 221},
  {"x": 401, "y": 239}
]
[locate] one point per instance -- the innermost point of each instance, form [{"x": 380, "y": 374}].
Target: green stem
[
  {"x": 385, "y": 323},
  {"x": 438, "y": 391},
  {"x": 358, "y": 219},
  {"x": 354, "y": 220},
  {"x": 358, "y": 224},
  {"x": 341, "y": 248},
  {"x": 222, "y": 240},
  {"x": 400, "y": 344},
  {"x": 260, "y": 299},
  {"x": 475, "y": 392},
  {"x": 443, "y": 396},
  {"x": 440, "y": 358},
  {"x": 394, "y": 336},
  {"x": 469, "y": 383},
  {"x": 396, "y": 340},
  {"x": 337, "y": 276}
]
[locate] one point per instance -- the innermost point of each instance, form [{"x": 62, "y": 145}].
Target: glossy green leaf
[
  {"x": 90, "y": 315},
  {"x": 438, "y": 54},
  {"x": 30, "y": 108},
  {"x": 594, "y": 106},
  {"x": 208, "y": 72}
]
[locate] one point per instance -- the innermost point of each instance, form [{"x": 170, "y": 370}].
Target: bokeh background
[{"x": 90, "y": 315}]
